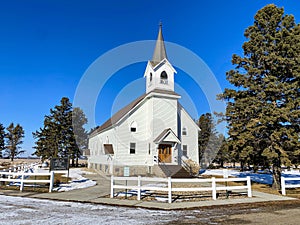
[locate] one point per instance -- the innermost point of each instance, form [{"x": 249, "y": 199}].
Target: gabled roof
[
  {"x": 167, "y": 136},
  {"x": 160, "y": 49},
  {"x": 124, "y": 111}
]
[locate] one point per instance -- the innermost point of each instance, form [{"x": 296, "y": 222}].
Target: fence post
[
  {"x": 213, "y": 186},
  {"x": 51, "y": 181},
  {"x": 139, "y": 189},
  {"x": 9, "y": 176},
  {"x": 22, "y": 182},
  {"x": 249, "y": 187},
  {"x": 283, "y": 186},
  {"x": 112, "y": 186},
  {"x": 169, "y": 190}
]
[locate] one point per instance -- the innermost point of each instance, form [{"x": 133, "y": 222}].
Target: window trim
[
  {"x": 132, "y": 148},
  {"x": 184, "y": 151},
  {"x": 184, "y": 131},
  {"x": 133, "y": 127}
]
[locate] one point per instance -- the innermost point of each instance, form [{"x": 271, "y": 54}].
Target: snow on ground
[
  {"x": 78, "y": 181},
  {"x": 260, "y": 177},
  {"x": 20, "y": 210}
]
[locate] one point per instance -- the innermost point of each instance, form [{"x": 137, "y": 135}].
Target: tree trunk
[
  {"x": 222, "y": 163},
  {"x": 276, "y": 177},
  {"x": 242, "y": 166},
  {"x": 255, "y": 168},
  {"x": 76, "y": 161},
  {"x": 73, "y": 163}
]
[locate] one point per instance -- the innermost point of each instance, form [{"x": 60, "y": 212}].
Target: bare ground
[{"x": 275, "y": 213}]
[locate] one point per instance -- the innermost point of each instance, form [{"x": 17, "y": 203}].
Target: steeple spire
[
  {"x": 160, "y": 49},
  {"x": 159, "y": 72}
]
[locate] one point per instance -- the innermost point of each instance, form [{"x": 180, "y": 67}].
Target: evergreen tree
[
  {"x": 47, "y": 140},
  {"x": 80, "y": 134},
  {"x": 62, "y": 119},
  {"x": 223, "y": 153},
  {"x": 2, "y": 140},
  {"x": 263, "y": 112},
  {"x": 14, "y": 137},
  {"x": 208, "y": 141},
  {"x": 58, "y": 137}
]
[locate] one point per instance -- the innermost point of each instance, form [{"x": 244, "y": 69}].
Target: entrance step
[{"x": 174, "y": 171}]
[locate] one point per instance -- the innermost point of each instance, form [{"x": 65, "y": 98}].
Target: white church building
[{"x": 153, "y": 135}]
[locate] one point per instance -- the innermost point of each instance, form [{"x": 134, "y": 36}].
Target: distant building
[{"x": 153, "y": 134}]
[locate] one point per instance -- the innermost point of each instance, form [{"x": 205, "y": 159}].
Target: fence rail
[
  {"x": 284, "y": 186},
  {"x": 23, "y": 178},
  {"x": 213, "y": 187}
]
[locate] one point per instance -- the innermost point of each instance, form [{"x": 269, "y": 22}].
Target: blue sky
[{"x": 46, "y": 47}]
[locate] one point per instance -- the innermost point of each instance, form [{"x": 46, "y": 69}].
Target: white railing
[
  {"x": 20, "y": 168},
  {"x": 284, "y": 186},
  {"x": 213, "y": 187},
  {"x": 23, "y": 178}
]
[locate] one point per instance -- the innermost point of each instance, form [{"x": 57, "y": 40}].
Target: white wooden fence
[
  {"x": 213, "y": 187},
  {"x": 23, "y": 178},
  {"x": 21, "y": 168},
  {"x": 284, "y": 186}
]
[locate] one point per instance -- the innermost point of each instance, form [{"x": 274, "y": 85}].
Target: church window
[
  {"x": 150, "y": 77},
  {"x": 133, "y": 126},
  {"x": 132, "y": 148},
  {"x": 184, "y": 150},
  {"x": 164, "y": 77},
  {"x": 184, "y": 131}
]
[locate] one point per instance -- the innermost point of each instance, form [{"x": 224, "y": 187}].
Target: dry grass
[{"x": 6, "y": 163}]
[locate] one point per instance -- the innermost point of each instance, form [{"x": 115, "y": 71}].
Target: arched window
[
  {"x": 150, "y": 77},
  {"x": 184, "y": 131},
  {"x": 133, "y": 126},
  {"x": 164, "y": 77}
]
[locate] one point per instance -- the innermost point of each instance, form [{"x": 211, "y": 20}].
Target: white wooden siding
[
  {"x": 191, "y": 139},
  {"x": 152, "y": 117},
  {"x": 164, "y": 115}
]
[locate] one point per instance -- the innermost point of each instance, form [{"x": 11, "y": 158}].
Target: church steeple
[
  {"x": 159, "y": 71},
  {"x": 160, "y": 49}
]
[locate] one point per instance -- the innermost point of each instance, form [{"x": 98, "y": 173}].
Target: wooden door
[{"x": 165, "y": 153}]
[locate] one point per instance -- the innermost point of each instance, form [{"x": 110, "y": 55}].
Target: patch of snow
[
  {"x": 219, "y": 172},
  {"x": 260, "y": 177},
  {"x": 56, "y": 212},
  {"x": 161, "y": 199},
  {"x": 77, "y": 181}
]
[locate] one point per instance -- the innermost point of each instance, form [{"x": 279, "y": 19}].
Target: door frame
[{"x": 165, "y": 153}]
